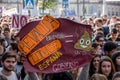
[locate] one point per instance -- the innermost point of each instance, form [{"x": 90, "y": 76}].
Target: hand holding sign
[{"x": 55, "y": 45}]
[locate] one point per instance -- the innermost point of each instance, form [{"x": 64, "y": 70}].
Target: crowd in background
[{"x": 105, "y": 64}]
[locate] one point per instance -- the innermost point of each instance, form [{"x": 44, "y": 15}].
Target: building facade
[{"x": 91, "y": 7}]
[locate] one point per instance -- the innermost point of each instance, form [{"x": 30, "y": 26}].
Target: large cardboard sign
[
  {"x": 19, "y": 21},
  {"x": 55, "y": 45}
]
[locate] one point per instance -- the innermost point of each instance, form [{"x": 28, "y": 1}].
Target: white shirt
[{"x": 13, "y": 76}]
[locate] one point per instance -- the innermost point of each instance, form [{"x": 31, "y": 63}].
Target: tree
[{"x": 47, "y": 4}]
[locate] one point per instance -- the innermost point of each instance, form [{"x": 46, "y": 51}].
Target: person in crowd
[
  {"x": 4, "y": 25},
  {"x": 19, "y": 69},
  {"x": 1, "y": 46},
  {"x": 106, "y": 67},
  {"x": 90, "y": 22},
  {"x": 58, "y": 76},
  {"x": 1, "y": 33},
  {"x": 16, "y": 37},
  {"x": 8, "y": 63},
  {"x": 113, "y": 19},
  {"x": 117, "y": 26},
  {"x": 105, "y": 25},
  {"x": 7, "y": 37},
  {"x": 98, "y": 30},
  {"x": 104, "y": 21},
  {"x": 116, "y": 76},
  {"x": 113, "y": 36},
  {"x": 83, "y": 72},
  {"x": 116, "y": 60},
  {"x": 14, "y": 48},
  {"x": 109, "y": 48},
  {"x": 100, "y": 40},
  {"x": 3, "y": 43},
  {"x": 2, "y": 49},
  {"x": 98, "y": 22},
  {"x": 93, "y": 68},
  {"x": 98, "y": 77},
  {"x": 97, "y": 48}
]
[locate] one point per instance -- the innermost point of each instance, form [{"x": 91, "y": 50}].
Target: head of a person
[
  {"x": 7, "y": 32},
  {"x": 94, "y": 64},
  {"x": 116, "y": 76},
  {"x": 3, "y": 42},
  {"x": 98, "y": 22},
  {"x": 98, "y": 30},
  {"x": 8, "y": 61},
  {"x": 109, "y": 48},
  {"x": 106, "y": 66},
  {"x": 104, "y": 16},
  {"x": 114, "y": 33},
  {"x": 22, "y": 58},
  {"x": 104, "y": 21},
  {"x": 58, "y": 76},
  {"x": 113, "y": 19},
  {"x": 117, "y": 26},
  {"x": 100, "y": 39},
  {"x": 16, "y": 37},
  {"x": 98, "y": 77},
  {"x": 4, "y": 25},
  {"x": 97, "y": 48},
  {"x": 116, "y": 60},
  {"x": 13, "y": 47}
]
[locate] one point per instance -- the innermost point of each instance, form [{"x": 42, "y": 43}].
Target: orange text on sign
[
  {"x": 37, "y": 34},
  {"x": 44, "y": 52}
]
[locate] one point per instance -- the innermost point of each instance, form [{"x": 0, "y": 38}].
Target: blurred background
[{"x": 61, "y": 8}]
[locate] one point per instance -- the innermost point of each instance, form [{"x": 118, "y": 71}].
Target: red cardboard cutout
[{"x": 64, "y": 48}]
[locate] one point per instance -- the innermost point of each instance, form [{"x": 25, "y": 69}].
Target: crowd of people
[{"x": 105, "y": 63}]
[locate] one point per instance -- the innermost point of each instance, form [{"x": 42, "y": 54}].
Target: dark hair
[
  {"x": 98, "y": 37},
  {"x": 95, "y": 45},
  {"x": 116, "y": 75},
  {"x": 115, "y": 55},
  {"x": 109, "y": 46},
  {"x": 99, "y": 29},
  {"x": 58, "y": 76},
  {"x": 91, "y": 67},
  {"x": 7, "y": 29},
  {"x": 114, "y": 31},
  {"x": 12, "y": 37},
  {"x": 8, "y": 55},
  {"x": 14, "y": 46},
  {"x": 1, "y": 41}
]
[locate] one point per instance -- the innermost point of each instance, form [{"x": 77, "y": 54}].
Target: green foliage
[{"x": 47, "y": 4}]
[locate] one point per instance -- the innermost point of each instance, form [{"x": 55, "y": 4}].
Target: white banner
[{"x": 10, "y": 12}]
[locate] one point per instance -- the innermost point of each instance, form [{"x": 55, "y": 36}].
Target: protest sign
[
  {"x": 55, "y": 45},
  {"x": 19, "y": 21}
]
